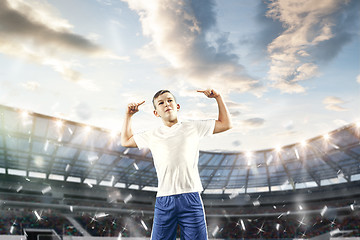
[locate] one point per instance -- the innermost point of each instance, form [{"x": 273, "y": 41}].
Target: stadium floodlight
[
  {"x": 249, "y": 154},
  {"x": 278, "y": 149},
  {"x": 113, "y": 134},
  {"x": 326, "y": 137},
  {"x": 59, "y": 123},
  {"x": 87, "y": 129},
  {"x": 24, "y": 114}
]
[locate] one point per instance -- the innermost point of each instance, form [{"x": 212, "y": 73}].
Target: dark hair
[{"x": 159, "y": 93}]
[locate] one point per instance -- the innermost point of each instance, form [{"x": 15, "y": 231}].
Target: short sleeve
[
  {"x": 142, "y": 139},
  {"x": 205, "y": 127}
]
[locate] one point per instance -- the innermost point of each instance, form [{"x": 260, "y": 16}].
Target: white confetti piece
[
  {"x": 101, "y": 215},
  {"x": 323, "y": 211},
  {"x": 215, "y": 231},
  {"x": 46, "y": 145},
  {"x": 46, "y": 190},
  {"x": 144, "y": 225},
  {"x": 242, "y": 225},
  {"x": 67, "y": 168},
  {"x": 136, "y": 166},
  {"x": 37, "y": 215},
  {"x": 233, "y": 195},
  {"x": 93, "y": 158},
  {"x": 128, "y": 198}
]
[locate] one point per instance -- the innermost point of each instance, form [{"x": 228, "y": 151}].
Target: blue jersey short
[{"x": 185, "y": 209}]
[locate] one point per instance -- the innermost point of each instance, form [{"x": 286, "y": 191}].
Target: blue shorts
[{"x": 185, "y": 209}]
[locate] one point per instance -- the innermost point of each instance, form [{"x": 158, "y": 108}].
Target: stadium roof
[{"x": 39, "y": 146}]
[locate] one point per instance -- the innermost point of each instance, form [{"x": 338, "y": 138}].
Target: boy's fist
[
  {"x": 210, "y": 93},
  {"x": 133, "y": 108}
]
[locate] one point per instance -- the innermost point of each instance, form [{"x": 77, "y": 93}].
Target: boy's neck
[{"x": 170, "y": 123}]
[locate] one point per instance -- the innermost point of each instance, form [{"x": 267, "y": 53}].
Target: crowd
[{"x": 15, "y": 221}]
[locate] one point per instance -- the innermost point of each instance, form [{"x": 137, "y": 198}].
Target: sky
[{"x": 287, "y": 69}]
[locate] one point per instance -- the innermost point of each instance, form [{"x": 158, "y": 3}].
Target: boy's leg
[
  {"x": 191, "y": 217},
  {"x": 165, "y": 219}
]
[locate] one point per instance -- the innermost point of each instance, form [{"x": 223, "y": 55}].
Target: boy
[{"x": 175, "y": 150}]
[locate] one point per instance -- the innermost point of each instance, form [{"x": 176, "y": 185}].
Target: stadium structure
[{"x": 66, "y": 180}]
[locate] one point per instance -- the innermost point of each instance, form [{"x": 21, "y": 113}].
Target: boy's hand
[
  {"x": 133, "y": 108},
  {"x": 210, "y": 93}
]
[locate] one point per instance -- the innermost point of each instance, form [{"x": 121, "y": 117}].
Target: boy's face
[{"x": 166, "y": 107}]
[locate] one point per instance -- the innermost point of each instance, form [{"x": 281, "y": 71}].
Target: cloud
[
  {"x": 31, "y": 85},
  {"x": 33, "y": 31},
  {"x": 236, "y": 109},
  {"x": 83, "y": 111},
  {"x": 333, "y": 104},
  {"x": 184, "y": 33},
  {"x": 313, "y": 32},
  {"x": 358, "y": 78},
  {"x": 236, "y": 143},
  {"x": 253, "y": 122}
]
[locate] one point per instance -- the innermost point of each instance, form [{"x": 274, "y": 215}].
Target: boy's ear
[
  {"x": 156, "y": 113},
  {"x": 178, "y": 107}
]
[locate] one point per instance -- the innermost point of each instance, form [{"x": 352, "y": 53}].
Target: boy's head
[
  {"x": 165, "y": 105},
  {"x": 158, "y": 94}
]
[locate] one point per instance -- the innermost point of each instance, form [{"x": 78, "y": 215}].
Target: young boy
[{"x": 175, "y": 150}]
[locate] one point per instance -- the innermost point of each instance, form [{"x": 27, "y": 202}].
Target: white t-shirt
[{"x": 175, "y": 152}]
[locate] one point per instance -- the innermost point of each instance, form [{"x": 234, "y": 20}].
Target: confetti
[
  {"x": 297, "y": 154},
  {"x": 128, "y": 198},
  {"x": 67, "y": 168},
  {"x": 233, "y": 195},
  {"x": 352, "y": 207},
  {"x": 136, "y": 166},
  {"x": 12, "y": 229},
  {"x": 215, "y": 231},
  {"x": 277, "y": 226},
  {"x": 37, "y": 215},
  {"x": 71, "y": 208},
  {"x": 126, "y": 151},
  {"x": 101, "y": 215},
  {"x": 89, "y": 184},
  {"x": 144, "y": 225},
  {"x": 333, "y": 232},
  {"x": 323, "y": 211},
  {"x": 46, "y": 190},
  {"x": 119, "y": 237},
  {"x": 93, "y": 158},
  {"x": 256, "y": 203},
  {"x": 269, "y": 159},
  {"x": 19, "y": 188},
  {"x": 242, "y": 225}
]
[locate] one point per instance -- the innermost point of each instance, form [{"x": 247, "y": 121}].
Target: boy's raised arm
[
  {"x": 224, "y": 120},
  {"x": 127, "y": 139}
]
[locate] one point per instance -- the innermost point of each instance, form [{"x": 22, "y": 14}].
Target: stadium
[
  {"x": 186, "y": 119},
  {"x": 79, "y": 183}
]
